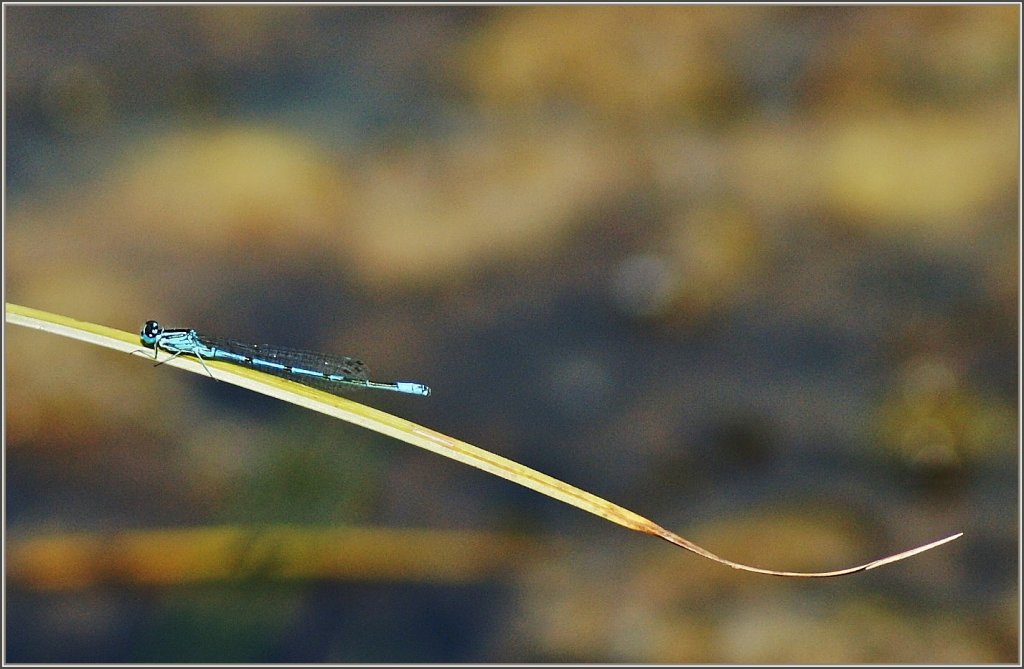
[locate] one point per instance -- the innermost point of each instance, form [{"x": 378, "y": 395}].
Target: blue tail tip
[{"x": 412, "y": 388}]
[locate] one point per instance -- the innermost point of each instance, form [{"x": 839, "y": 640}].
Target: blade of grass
[{"x": 411, "y": 433}]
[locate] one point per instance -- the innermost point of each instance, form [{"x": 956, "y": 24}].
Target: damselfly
[{"x": 332, "y": 373}]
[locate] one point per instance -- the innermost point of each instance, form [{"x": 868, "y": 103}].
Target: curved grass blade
[{"x": 412, "y": 433}]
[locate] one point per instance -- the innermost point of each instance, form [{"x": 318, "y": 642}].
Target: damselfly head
[{"x": 151, "y": 331}]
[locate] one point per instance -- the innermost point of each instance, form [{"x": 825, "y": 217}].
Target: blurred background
[{"x": 749, "y": 271}]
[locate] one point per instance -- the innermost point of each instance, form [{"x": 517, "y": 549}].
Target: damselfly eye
[{"x": 151, "y": 331}]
